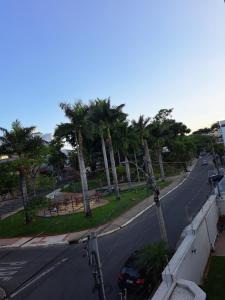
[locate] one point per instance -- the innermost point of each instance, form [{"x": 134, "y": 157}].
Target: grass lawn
[
  {"x": 14, "y": 225},
  {"x": 215, "y": 282}
]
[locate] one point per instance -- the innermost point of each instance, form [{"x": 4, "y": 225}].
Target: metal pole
[
  {"x": 160, "y": 216},
  {"x": 99, "y": 266}
]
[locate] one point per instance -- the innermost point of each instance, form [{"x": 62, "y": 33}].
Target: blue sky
[{"x": 148, "y": 54}]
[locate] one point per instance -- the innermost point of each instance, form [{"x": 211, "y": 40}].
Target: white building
[{"x": 222, "y": 130}]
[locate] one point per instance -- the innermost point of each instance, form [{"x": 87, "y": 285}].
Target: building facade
[{"x": 222, "y": 130}]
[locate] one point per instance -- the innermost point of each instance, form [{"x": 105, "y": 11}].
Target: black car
[
  {"x": 132, "y": 277},
  {"x": 215, "y": 177}
]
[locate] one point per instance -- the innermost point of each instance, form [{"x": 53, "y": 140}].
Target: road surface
[{"x": 61, "y": 272}]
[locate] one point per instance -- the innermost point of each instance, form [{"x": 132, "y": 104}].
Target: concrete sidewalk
[{"x": 102, "y": 230}]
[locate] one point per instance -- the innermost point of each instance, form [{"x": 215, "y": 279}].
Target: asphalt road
[{"x": 61, "y": 272}]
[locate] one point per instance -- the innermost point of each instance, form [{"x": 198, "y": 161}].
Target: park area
[{"x": 14, "y": 225}]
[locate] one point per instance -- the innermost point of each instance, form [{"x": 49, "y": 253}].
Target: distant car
[
  {"x": 204, "y": 162},
  {"x": 133, "y": 278}
]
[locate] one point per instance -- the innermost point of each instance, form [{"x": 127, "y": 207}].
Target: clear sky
[{"x": 148, "y": 54}]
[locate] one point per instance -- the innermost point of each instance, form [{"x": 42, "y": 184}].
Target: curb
[
  {"x": 81, "y": 240},
  {"x": 83, "y": 237}
]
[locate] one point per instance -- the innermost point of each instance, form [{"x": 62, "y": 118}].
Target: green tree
[
  {"x": 106, "y": 115},
  {"x": 97, "y": 113},
  {"x": 74, "y": 132},
  {"x": 38, "y": 156},
  {"x": 163, "y": 130},
  {"x": 183, "y": 150},
  {"x": 8, "y": 178},
  {"x": 56, "y": 158},
  {"x": 124, "y": 136},
  {"x": 21, "y": 142},
  {"x": 153, "y": 258},
  {"x": 141, "y": 130}
]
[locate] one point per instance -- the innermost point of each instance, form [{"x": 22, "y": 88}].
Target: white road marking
[
  {"x": 8, "y": 269},
  {"x": 38, "y": 277}
]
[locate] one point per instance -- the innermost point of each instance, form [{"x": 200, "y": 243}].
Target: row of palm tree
[
  {"x": 105, "y": 121},
  {"x": 99, "y": 120}
]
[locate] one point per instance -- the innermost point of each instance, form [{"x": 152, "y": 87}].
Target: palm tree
[
  {"x": 135, "y": 147},
  {"x": 73, "y": 132},
  {"x": 21, "y": 142},
  {"x": 96, "y": 115},
  {"x": 140, "y": 128},
  {"x": 109, "y": 115},
  {"x": 56, "y": 158},
  {"x": 124, "y": 138}
]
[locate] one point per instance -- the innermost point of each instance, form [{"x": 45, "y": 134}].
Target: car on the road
[
  {"x": 204, "y": 162},
  {"x": 133, "y": 278}
]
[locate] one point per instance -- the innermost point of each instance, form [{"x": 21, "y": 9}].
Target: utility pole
[
  {"x": 159, "y": 211},
  {"x": 95, "y": 264},
  {"x": 151, "y": 182}
]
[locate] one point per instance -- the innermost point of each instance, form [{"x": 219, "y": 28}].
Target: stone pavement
[{"x": 105, "y": 229}]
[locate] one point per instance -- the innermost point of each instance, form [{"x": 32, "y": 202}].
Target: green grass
[
  {"x": 14, "y": 225},
  {"x": 215, "y": 282}
]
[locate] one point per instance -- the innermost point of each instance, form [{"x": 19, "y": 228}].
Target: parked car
[
  {"x": 133, "y": 278},
  {"x": 214, "y": 177}
]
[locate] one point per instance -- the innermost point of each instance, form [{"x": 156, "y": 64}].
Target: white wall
[{"x": 191, "y": 257}]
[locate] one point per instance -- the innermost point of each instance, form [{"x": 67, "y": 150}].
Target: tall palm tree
[
  {"x": 97, "y": 115},
  {"x": 141, "y": 129},
  {"x": 21, "y": 142},
  {"x": 109, "y": 115},
  {"x": 134, "y": 145},
  {"x": 158, "y": 133},
  {"x": 73, "y": 132},
  {"x": 56, "y": 158},
  {"x": 124, "y": 138}
]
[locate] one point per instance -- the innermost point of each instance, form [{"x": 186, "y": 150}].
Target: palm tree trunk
[
  {"x": 162, "y": 173},
  {"x": 83, "y": 176},
  {"x": 113, "y": 165},
  {"x": 136, "y": 164},
  {"x": 128, "y": 170},
  {"x": 148, "y": 159},
  {"x": 33, "y": 178},
  {"x": 105, "y": 161},
  {"x": 23, "y": 187},
  {"x": 119, "y": 160}
]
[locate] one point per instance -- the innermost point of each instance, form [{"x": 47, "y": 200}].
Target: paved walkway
[
  {"x": 115, "y": 225},
  {"x": 8, "y": 207}
]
